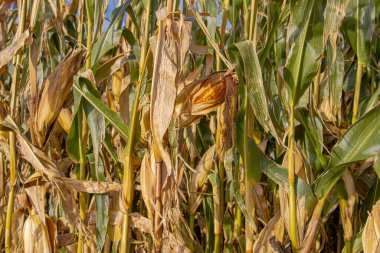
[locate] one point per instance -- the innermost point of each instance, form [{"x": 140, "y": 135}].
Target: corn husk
[
  {"x": 57, "y": 87},
  {"x": 36, "y": 236},
  {"x": 371, "y": 231}
]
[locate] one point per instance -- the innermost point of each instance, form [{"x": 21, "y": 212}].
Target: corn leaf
[
  {"x": 110, "y": 115},
  {"x": 360, "y": 142},
  {"x": 358, "y": 27},
  {"x": 306, "y": 41},
  {"x": 251, "y": 75}
]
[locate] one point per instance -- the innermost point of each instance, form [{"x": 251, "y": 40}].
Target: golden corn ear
[{"x": 203, "y": 96}]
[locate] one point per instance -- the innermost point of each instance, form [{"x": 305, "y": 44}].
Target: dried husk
[
  {"x": 57, "y": 87},
  {"x": 170, "y": 46},
  {"x": 371, "y": 231},
  {"x": 36, "y": 236}
]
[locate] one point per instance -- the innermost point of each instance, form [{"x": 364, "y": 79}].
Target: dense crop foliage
[{"x": 189, "y": 126}]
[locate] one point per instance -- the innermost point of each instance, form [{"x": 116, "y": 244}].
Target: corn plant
[{"x": 189, "y": 126}]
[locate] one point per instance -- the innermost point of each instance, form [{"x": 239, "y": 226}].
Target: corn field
[{"x": 190, "y": 126}]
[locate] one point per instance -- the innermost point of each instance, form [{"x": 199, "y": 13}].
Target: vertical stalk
[
  {"x": 248, "y": 184},
  {"x": 80, "y": 23},
  {"x": 238, "y": 213},
  {"x": 373, "y": 76},
  {"x": 316, "y": 86},
  {"x": 83, "y": 136},
  {"x": 191, "y": 225},
  {"x": 158, "y": 212},
  {"x": 33, "y": 75},
  {"x": 291, "y": 180},
  {"x": 237, "y": 222},
  {"x": 82, "y": 176},
  {"x": 89, "y": 42},
  {"x": 128, "y": 170},
  {"x": 253, "y": 21},
  {"x": 248, "y": 130},
  {"x": 12, "y": 139},
  {"x": 359, "y": 72},
  {"x": 128, "y": 176},
  {"x": 218, "y": 222},
  {"x": 347, "y": 226},
  {"x": 246, "y": 20},
  {"x": 218, "y": 219},
  {"x": 192, "y": 197}
]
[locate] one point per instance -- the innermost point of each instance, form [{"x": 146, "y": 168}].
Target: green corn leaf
[
  {"x": 307, "y": 41},
  {"x": 360, "y": 142},
  {"x": 110, "y": 38},
  {"x": 110, "y": 115},
  {"x": 280, "y": 175},
  {"x": 251, "y": 75},
  {"x": 101, "y": 203},
  {"x": 358, "y": 27}
]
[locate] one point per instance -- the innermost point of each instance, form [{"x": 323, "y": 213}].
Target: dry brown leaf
[
  {"x": 66, "y": 240},
  {"x": 7, "y": 53},
  {"x": 261, "y": 205},
  {"x": 36, "y": 196},
  {"x": 141, "y": 223},
  {"x": 333, "y": 22},
  {"x": 301, "y": 213},
  {"x": 147, "y": 182},
  {"x": 298, "y": 163},
  {"x": 171, "y": 47},
  {"x": 204, "y": 166},
  {"x": 275, "y": 228},
  {"x": 52, "y": 229},
  {"x": 347, "y": 206},
  {"x": 17, "y": 225}
]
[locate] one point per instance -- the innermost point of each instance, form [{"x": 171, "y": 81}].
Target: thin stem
[
  {"x": 237, "y": 222},
  {"x": 217, "y": 219},
  {"x": 348, "y": 246},
  {"x": 83, "y": 137},
  {"x": 33, "y": 77},
  {"x": 373, "y": 76},
  {"x": 89, "y": 43},
  {"x": 128, "y": 176},
  {"x": 359, "y": 72},
  {"x": 248, "y": 184},
  {"x": 82, "y": 176},
  {"x": 80, "y": 24},
  {"x": 291, "y": 180},
  {"x": 316, "y": 86},
  {"x": 12, "y": 140},
  {"x": 217, "y": 243},
  {"x": 246, "y": 20},
  {"x": 191, "y": 225},
  {"x": 253, "y": 21},
  {"x": 347, "y": 226},
  {"x": 158, "y": 212}
]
